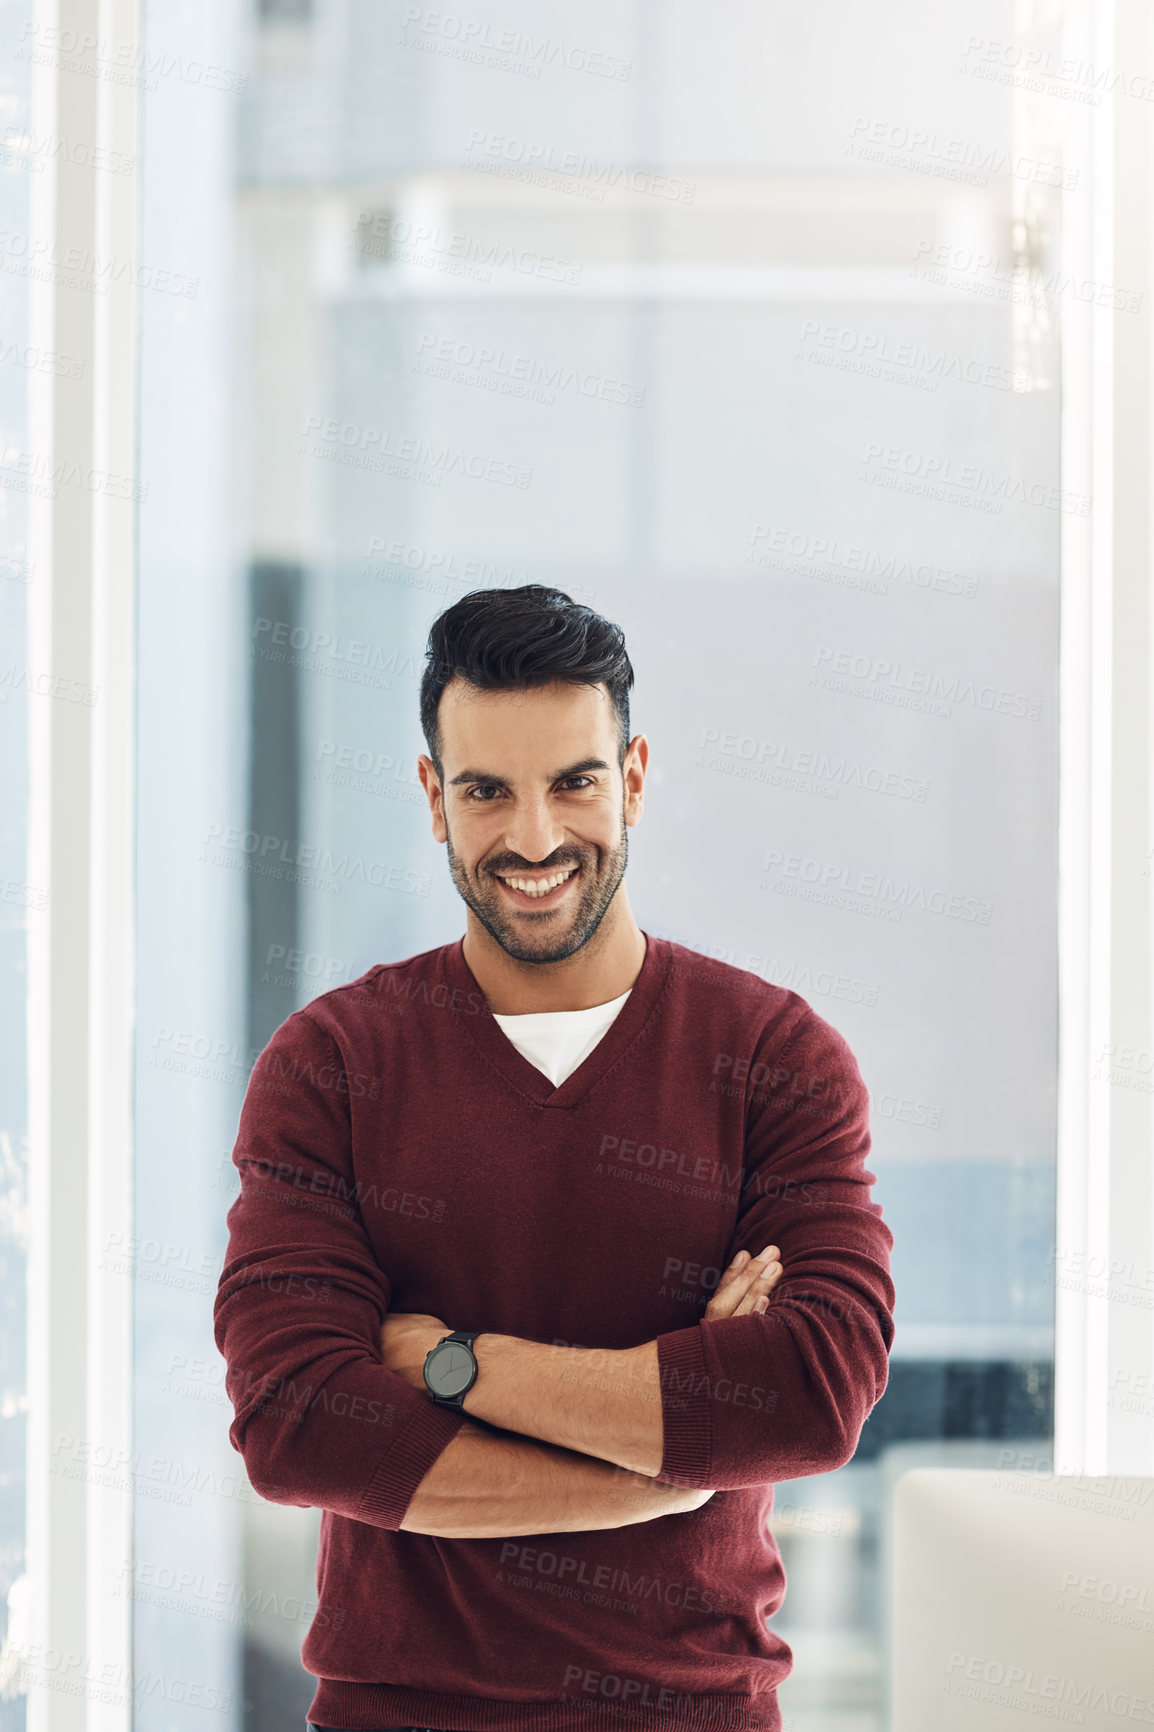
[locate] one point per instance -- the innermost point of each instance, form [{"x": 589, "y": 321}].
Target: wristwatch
[{"x": 451, "y": 1368}]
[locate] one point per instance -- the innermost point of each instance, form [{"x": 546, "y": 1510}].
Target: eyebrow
[{"x": 557, "y": 776}]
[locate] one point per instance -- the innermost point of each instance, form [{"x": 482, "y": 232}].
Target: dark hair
[{"x": 514, "y": 639}]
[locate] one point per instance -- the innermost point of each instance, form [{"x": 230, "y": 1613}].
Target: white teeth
[{"x": 539, "y": 886}]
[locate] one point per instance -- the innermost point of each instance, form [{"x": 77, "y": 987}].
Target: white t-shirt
[{"x": 557, "y": 1041}]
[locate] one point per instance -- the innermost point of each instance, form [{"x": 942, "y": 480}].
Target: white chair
[{"x": 1020, "y": 1598}]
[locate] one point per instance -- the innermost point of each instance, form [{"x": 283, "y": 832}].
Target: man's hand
[
  {"x": 746, "y": 1285},
  {"x": 406, "y": 1338}
]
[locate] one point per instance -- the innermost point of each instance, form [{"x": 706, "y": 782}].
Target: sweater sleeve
[
  {"x": 774, "y": 1396},
  {"x": 319, "y": 1420}
]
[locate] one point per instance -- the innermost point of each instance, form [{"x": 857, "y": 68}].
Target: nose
[{"x": 533, "y": 833}]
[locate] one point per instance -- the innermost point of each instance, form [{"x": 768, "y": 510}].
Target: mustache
[{"x": 515, "y": 867}]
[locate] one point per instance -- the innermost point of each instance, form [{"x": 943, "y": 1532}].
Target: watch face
[{"x": 451, "y": 1369}]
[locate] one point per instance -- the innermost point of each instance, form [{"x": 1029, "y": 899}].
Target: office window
[{"x": 658, "y": 306}]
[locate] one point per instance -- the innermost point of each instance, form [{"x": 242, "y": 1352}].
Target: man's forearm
[
  {"x": 489, "y": 1485},
  {"x": 598, "y": 1401}
]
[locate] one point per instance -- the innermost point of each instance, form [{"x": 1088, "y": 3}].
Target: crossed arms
[
  {"x": 327, "y": 1382},
  {"x": 590, "y": 1423}
]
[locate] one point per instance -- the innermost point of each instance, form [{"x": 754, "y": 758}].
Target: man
[{"x": 631, "y": 1179}]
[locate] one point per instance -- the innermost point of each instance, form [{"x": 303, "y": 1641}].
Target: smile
[{"x": 536, "y": 889}]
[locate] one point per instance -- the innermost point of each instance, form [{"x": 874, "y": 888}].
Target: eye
[
  {"x": 484, "y": 788},
  {"x": 570, "y": 780}
]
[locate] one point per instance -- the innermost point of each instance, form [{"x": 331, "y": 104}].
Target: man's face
[{"x": 532, "y": 793}]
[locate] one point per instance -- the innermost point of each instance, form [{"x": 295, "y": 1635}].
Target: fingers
[{"x": 745, "y": 1286}]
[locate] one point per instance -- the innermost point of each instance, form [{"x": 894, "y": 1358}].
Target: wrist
[{"x": 486, "y": 1346}]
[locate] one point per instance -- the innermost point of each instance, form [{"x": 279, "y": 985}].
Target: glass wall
[{"x": 738, "y": 322}]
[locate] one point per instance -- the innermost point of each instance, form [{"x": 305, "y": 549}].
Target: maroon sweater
[{"x": 397, "y": 1152}]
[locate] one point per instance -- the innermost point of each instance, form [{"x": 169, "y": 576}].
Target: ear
[
  {"x": 633, "y": 774},
  {"x": 431, "y": 783}
]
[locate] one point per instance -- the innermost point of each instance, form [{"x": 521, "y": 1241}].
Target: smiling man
[{"x": 554, "y": 1251}]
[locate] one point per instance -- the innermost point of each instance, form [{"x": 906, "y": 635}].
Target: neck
[{"x": 601, "y": 970}]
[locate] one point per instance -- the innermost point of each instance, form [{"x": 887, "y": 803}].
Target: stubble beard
[{"x": 540, "y": 940}]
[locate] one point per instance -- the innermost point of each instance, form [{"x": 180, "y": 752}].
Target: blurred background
[{"x": 706, "y": 316}]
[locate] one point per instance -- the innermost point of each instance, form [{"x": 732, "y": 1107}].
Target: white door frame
[
  {"x": 82, "y": 545},
  {"x": 1104, "y": 1253}
]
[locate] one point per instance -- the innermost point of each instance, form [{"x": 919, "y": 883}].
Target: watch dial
[{"x": 452, "y": 1369}]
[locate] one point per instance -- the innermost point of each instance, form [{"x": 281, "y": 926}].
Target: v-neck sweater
[{"x": 396, "y": 1152}]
